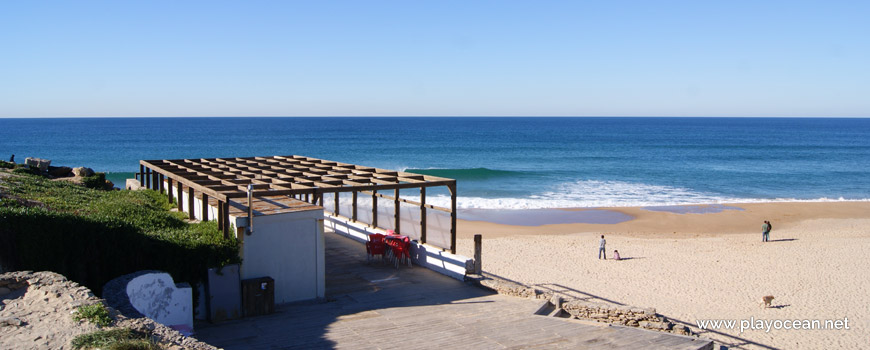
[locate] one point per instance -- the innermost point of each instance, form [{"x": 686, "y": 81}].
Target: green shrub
[
  {"x": 95, "y": 313},
  {"x": 6, "y": 165},
  {"x": 96, "y": 181},
  {"x": 92, "y": 236},
  {"x": 26, "y": 170},
  {"x": 114, "y": 339}
]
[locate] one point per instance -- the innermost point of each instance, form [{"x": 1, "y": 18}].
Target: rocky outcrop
[
  {"x": 83, "y": 172},
  {"x": 36, "y": 313},
  {"x": 133, "y": 185},
  {"x": 42, "y": 164},
  {"x": 581, "y": 309},
  {"x": 37, "y": 307},
  {"x": 59, "y": 171}
]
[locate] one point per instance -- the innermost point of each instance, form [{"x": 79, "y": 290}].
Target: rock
[
  {"x": 4, "y": 291},
  {"x": 59, "y": 171},
  {"x": 681, "y": 330},
  {"x": 469, "y": 264},
  {"x": 133, "y": 185},
  {"x": 83, "y": 172},
  {"x": 42, "y": 164},
  {"x": 10, "y": 321},
  {"x": 663, "y": 325},
  {"x": 49, "y": 324}
]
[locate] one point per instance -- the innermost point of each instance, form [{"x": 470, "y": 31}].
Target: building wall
[{"x": 289, "y": 248}]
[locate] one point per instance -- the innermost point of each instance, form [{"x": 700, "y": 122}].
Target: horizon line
[{"x": 437, "y": 116}]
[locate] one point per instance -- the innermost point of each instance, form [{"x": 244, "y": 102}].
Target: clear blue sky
[{"x": 434, "y": 58}]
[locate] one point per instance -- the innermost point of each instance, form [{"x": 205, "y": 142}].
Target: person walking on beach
[
  {"x": 601, "y": 250},
  {"x": 765, "y": 231}
]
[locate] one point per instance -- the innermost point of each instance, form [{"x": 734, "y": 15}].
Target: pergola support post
[
  {"x": 180, "y": 194},
  {"x": 374, "y": 208},
  {"x": 204, "y": 207},
  {"x": 191, "y": 207},
  {"x": 353, "y": 206},
  {"x": 422, "y": 214},
  {"x": 452, "y": 189},
  {"x": 396, "y": 214},
  {"x": 169, "y": 190},
  {"x": 226, "y": 218},
  {"x": 220, "y": 215}
]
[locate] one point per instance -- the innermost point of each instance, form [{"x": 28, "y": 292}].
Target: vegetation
[
  {"x": 93, "y": 236},
  {"x": 96, "y": 181},
  {"x": 94, "y": 313},
  {"x": 26, "y": 170},
  {"x": 6, "y": 165},
  {"x": 114, "y": 339}
]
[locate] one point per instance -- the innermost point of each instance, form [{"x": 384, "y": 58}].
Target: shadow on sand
[
  {"x": 783, "y": 240},
  {"x": 631, "y": 258}
]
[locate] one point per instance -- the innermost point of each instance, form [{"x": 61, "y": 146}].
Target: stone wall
[{"x": 621, "y": 315}]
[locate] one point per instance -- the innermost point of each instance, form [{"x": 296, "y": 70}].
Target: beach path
[{"x": 379, "y": 307}]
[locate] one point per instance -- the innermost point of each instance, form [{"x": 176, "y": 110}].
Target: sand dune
[{"x": 694, "y": 267}]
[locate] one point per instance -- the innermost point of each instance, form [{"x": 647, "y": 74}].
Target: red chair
[
  {"x": 375, "y": 246},
  {"x": 406, "y": 250},
  {"x": 400, "y": 250}
]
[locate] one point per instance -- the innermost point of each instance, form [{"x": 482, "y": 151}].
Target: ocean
[{"x": 499, "y": 162}]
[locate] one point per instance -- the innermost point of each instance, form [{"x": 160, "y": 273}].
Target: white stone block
[{"x": 157, "y": 297}]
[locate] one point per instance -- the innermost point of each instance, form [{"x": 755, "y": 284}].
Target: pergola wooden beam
[{"x": 303, "y": 177}]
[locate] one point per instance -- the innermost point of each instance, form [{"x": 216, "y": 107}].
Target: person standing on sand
[
  {"x": 601, "y": 250},
  {"x": 765, "y": 231}
]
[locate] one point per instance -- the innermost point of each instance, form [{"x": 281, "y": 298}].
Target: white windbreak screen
[
  {"x": 438, "y": 228},
  {"x": 409, "y": 221},
  {"x": 386, "y": 212},
  {"x": 437, "y": 222},
  {"x": 329, "y": 202}
]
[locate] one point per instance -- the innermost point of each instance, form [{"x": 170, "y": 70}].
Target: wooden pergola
[{"x": 303, "y": 178}]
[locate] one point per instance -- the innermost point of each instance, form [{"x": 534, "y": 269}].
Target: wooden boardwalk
[{"x": 378, "y": 307}]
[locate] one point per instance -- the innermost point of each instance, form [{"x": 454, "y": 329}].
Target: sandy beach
[{"x": 708, "y": 266}]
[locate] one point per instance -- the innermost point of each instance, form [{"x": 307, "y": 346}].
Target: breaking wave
[{"x": 596, "y": 194}]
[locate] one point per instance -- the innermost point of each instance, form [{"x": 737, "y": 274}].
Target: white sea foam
[{"x": 595, "y": 194}]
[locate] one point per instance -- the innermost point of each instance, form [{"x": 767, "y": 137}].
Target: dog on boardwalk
[{"x": 766, "y": 300}]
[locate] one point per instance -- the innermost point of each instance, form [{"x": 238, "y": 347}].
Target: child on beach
[{"x": 616, "y": 255}]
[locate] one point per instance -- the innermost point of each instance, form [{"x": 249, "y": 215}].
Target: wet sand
[{"x": 713, "y": 265}]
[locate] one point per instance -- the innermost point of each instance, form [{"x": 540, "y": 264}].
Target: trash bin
[{"x": 258, "y": 296}]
